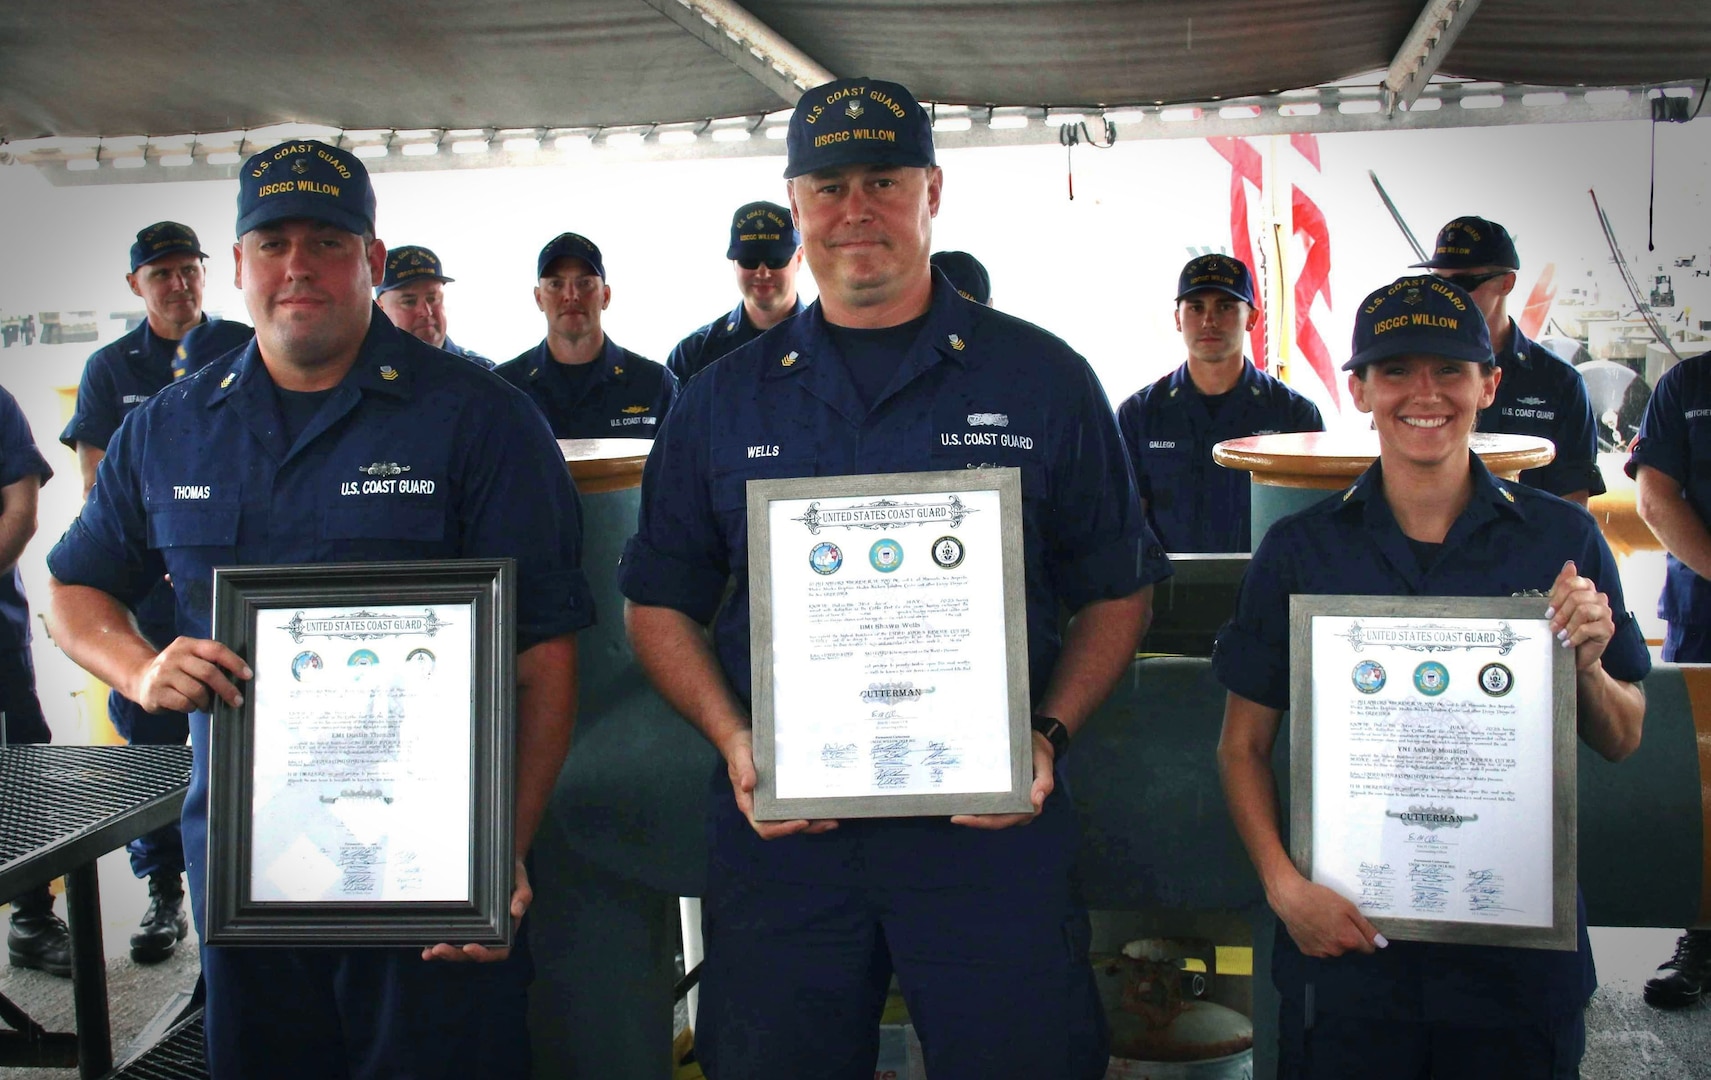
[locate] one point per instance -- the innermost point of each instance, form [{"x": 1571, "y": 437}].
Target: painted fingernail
[
  {"x": 248, "y": 674},
  {"x": 1562, "y": 635},
  {"x": 1551, "y": 612},
  {"x": 1379, "y": 940}
]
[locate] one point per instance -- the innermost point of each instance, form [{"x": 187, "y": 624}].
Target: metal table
[{"x": 61, "y": 808}]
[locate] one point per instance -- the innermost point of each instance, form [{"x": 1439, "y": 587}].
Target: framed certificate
[
  {"x": 1432, "y": 765},
  {"x": 362, "y": 794},
  {"x": 889, "y": 644}
]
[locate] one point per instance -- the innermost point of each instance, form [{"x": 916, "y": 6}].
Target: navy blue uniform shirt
[
  {"x": 468, "y": 354},
  {"x": 1675, "y": 439},
  {"x": 1541, "y": 394},
  {"x": 1193, "y": 503},
  {"x": 19, "y": 458},
  {"x": 201, "y": 476},
  {"x": 719, "y": 337},
  {"x": 116, "y": 379},
  {"x": 977, "y": 389},
  {"x": 1509, "y": 539},
  {"x": 624, "y": 396}
]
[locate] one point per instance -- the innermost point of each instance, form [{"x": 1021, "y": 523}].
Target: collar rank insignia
[
  {"x": 789, "y": 359},
  {"x": 958, "y": 343},
  {"x": 1350, "y": 493},
  {"x": 383, "y": 468},
  {"x": 617, "y": 371},
  {"x": 1173, "y": 390},
  {"x": 854, "y": 110},
  {"x": 227, "y": 381},
  {"x": 1503, "y": 491},
  {"x": 730, "y": 328},
  {"x": 388, "y": 372}
]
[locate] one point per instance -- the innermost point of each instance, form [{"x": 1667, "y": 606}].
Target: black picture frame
[{"x": 241, "y": 596}]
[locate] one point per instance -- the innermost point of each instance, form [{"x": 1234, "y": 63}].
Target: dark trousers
[
  {"x": 365, "y": 1014},
  {"x": 983, "y": 930},
  {"x": 1328, "y": 1046},
  {"x": 161, "y": 851}
]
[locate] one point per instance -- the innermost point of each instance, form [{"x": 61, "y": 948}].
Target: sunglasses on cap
[
  {"x": 1471, "y": 282},
  {"x": 753, "y": 262}
]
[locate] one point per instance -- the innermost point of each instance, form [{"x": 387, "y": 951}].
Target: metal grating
[
  {"x": 178, "y": 1056},
  {"x": 50, "y": 794}
]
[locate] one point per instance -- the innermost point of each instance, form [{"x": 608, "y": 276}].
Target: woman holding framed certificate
[{"x": 1426, "y": 520}]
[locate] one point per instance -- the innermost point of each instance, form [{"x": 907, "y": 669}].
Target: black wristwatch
[{"x": 1054, "y": 731}]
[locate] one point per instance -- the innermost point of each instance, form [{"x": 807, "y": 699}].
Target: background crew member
[
  {"x": 806, "y": 921},
  {"x": 966, "y": 273},
  {"x": 413, "y": 296},
  {"x": 168, "y": 272},
  {"x": 586, "y": 384},
  {"x": 1427, "y": 519},
  {"x": 37, "y": 937},
  {"x": 250, "y": 461},
  {"x": 1541, "y": 393},
  {"x": 1674, "y": 500},
  {"x": 765, "y": 252},
  {"x": 1170, "y": 427}
]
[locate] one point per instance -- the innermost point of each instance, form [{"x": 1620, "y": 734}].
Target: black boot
[
  {"x": 1683, "y": 977},
  {"x": 38, "y": 938},
  {"x": 164, "y": 924}
]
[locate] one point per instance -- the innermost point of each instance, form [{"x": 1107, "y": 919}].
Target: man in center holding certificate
[
  {"x": 1427, "y": 519},
  {"x": 890, "y": 372}
]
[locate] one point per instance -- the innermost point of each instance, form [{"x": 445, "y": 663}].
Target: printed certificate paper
[
  {"x": 1436, "y": 742},
  {"x": 890, "y": 644},
  {"x": 362, "y": 754}
]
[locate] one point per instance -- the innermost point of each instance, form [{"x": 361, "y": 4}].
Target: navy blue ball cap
[
  {"x": 209, "y": 341},
  {"x": 1420, "y": 315},
  {"x": 410, "y": 262},
  {"x": 857, "y": 122},
  {"x": 1472, "y": 241},
  {"x": 305, "y": 179},
  {"x": 762, "y": 230},
  {"x": 966, "y": 273},
  {"x": 573, "y": 246},
  {"x": 164, "y": 238},
  {"x": 1219, "y": 272}
]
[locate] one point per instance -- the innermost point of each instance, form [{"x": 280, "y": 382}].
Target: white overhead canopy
[{"x": 105, "y": 68}]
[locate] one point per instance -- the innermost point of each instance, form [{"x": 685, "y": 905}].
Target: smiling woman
[{"x": 1427, "y": 519}]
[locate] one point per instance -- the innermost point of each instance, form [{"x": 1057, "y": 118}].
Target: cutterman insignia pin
[
  {"x": 788, "y": 360},
  {"x": 958, "y": 344},
  {"x": 227, "y": 381},
  {"x": 388, "y": 372}
]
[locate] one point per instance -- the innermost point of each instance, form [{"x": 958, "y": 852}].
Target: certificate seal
[
  {"x": 947, "y": 552},
  {"x": 1496, "y": 680},
  {"x": 305, "y": 661},
  {"x": 885, "y": 555},
  {"x": 1369, "y": 676},
  {"x": 1431, "y": 678},
  {"x": 421, "y": 661},
  {"x": 825, "y": 558},
  {"x": 363, "y": 658}
]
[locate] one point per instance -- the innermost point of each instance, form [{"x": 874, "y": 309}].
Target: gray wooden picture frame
[
  {"x": 487, "y": 587},
  {"x": 1007, "y": 483},
  {"x": 1562, "y": 933}
]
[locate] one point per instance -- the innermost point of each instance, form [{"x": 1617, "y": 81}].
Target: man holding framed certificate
[
  {"x": 1426, "y": 520},
  {"x": 890, "y": 372},
  {"x": 334, "y": 437}
]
